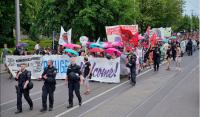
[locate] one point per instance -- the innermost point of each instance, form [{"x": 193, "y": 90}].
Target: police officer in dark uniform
[
  {"x": 49, "y": 86},
  {"x": 132, "y": 65},
  {"x": 156, "y": 57},
  {"x": 23, "y": 77},
  {"x": 73, "y": 80}
]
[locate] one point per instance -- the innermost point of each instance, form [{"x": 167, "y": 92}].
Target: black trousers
[
  {"x": 48, "y": 90},
  {"x": 189, "y": 52},
  {"x": 21, "y": 91},
  {"x": 133, "y": 76},
  {"x": 74, "y": 86},
  {"x": 156, "y": 65}
]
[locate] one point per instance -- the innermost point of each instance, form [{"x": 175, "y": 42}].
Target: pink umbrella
[
  {"x": 72, "y": 46},
  {"x": 107, "y": 45},
  {"x": 113, "y": 51},
  {"x": 141, "y": 37},
  {"x": 88, "y": 44},
  {"x": 117, "y": 44}
]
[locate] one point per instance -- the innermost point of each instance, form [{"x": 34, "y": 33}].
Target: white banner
[
  {"x": 103, "y": 70},
  {"x": 33, "y": 64},
  {"x": 114, "y": 32},
  {"x": 65, "y": 37}
]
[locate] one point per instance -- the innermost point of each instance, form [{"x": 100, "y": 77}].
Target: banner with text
[
  {"x": 33, "y": 64},
  {"x": 103, "y": 70},
  {"x": 114, "y": 32}
]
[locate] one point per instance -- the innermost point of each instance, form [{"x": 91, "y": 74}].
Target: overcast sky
[{"x": 192, "y": 5}]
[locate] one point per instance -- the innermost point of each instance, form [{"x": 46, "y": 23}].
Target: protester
[
  {"x": 189, "y": 47},
  {"x": 178, "y": 57},
  {"x": 156, "y": 57},
  {"x": 168, "y": 58},
  {"x": 37, "y": 48},
  {"x": 23, "y": 77},
  {"x": 73, "y": 79},
  {"x": 5, "y": 52},
  {"x": 16, "y": 51},
  {"x": 87, "y": 75},
  {"x": 49, "y": 86},
  {"x": 173, "y": 47},
  {"x": 132, "y": 65}
]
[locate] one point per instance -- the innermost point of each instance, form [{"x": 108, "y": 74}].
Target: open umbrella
[
  {"x": 96, "y": 45},
  {"x": 173, "y": 37},
  {"x": 107, "y": 45},
  {"x": 120, "y": 44},
  {"x": 71, "y": 51},
  {"x": 165, "y": 40},
  {"x": 113, "y": 51},
  {"x": 96, "y": 50},
  {"x": 141, "y": 37},
  {"x": 22, "y": 44},
  {"x": 72, "y": 46}
]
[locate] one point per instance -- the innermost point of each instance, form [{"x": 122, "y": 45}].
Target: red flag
[
  {"x": 135, "y": 39},
  {"x": 148, "y": 31},
  {"x": 126, "y": 34},
  {"x": 153, "y": 39}
]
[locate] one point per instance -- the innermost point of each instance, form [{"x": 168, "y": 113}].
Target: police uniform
[
  {"x": 156, "y": 58},
  {"x": 48, "y": 87},
  {"x": 132, "y": 65},
  {"x": 23, "y": 77},
  {"x": 73, "y": 75}
]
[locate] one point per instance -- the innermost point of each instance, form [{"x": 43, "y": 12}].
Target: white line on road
[
  {"x": 89, "y": 100},
  {"x": 146, "y": 100},
  {"x": 174, "y": 88},
  {"x": 35, "y": 93}
]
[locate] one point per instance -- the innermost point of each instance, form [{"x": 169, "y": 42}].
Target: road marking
[
  {"x": 147, "y": 99},
  {"x": 24, "y": 103},
  {"x": 174, "y": 88},
  {"x": 101, "y": 103},
  {"x": 35, "y": 93},
  {"x": 77, "y": 105},
  {"x": 89, "y": 100}
]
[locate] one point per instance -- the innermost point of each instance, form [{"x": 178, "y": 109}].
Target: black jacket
[
  {"x": 73, "y": 73},
  {"x": 23, "y": 77},
  {"x": 51, "y": 75}
]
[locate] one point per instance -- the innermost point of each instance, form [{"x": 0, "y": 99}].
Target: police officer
[
  {"x": 156, "y": 57},
  {"x": 132, "y": 65},
  {"x": 73, "y": 79},
  {"x": 23, "y": 77},
  {"x": 49, "y": 86}
]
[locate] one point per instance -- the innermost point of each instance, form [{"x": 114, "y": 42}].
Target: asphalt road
[{"x": 157, "y": 94}]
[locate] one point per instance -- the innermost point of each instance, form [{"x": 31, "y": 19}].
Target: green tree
[{"x": 7, "y": 22}]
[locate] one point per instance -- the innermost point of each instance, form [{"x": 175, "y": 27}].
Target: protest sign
[
  {"x": 33, "y": 64},
  {"x": 103, "y": 70}
]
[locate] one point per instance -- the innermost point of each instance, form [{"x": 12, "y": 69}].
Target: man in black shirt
[
  {"x": 87, "y": 75},
  {"x": 156, "y": 57},
  {"x": 23, "y": 77},
  {"x": 169, "y": 55},
  {"x": 132, "y": 65},
  {"x": 49, "y": 86},
  {"x": 73, "y": 79}
]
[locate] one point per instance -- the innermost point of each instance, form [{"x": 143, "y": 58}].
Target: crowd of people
[{"x": 138, "y": 58}]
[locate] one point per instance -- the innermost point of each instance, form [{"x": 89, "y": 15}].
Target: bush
[{"x": 9, "y": 41}]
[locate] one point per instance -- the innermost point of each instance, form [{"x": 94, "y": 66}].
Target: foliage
[{"x": 89, "y": 17}]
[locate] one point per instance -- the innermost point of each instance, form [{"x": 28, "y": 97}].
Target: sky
[{"x": 192, "y": 5}]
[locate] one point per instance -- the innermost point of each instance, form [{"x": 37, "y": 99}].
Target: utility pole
[
  {"x": 134, "y": 11},
  {"x": 191, "y": 20},
  {"x": 17, "y": 12}
]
